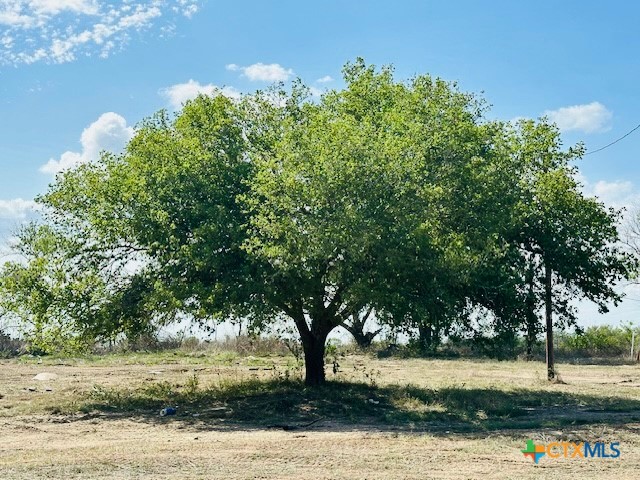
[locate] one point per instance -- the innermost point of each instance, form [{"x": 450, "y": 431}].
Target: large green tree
[{"x": 386, "y": 196}]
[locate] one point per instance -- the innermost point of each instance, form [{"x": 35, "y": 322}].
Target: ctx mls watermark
[{"x": 574, "y": 450}]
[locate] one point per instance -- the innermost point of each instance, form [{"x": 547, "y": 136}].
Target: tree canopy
[{"x": 392, "y": 196}]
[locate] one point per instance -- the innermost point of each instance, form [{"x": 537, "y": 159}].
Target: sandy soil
[{"x": 38, "y": 445}]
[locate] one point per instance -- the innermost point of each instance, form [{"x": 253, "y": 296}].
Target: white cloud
[
  {"x": 188, "y": 8},
  {"x": 8, "y": 252},
  {"x": 109, "y": 132},
  {"x": 181, "y": 92},
  {"x": 261, "y": 72},
  {"x": 12, "y": 17},
  {"x": 613, "y": 193},
  {"x": 16, "y": 209},
  {"x": 515, "y": 120},
  {"x": 325, "y": 79},
  {"x": 316, "y": 92},
  {"x": 619, "y": 194},
  {"x": 41, "y": 7},
  {"x": 589, "y": 118},
  {"x": 59, "y": 31}
]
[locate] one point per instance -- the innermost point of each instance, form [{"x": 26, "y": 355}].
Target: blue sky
[{"x": 77, "y": 75}]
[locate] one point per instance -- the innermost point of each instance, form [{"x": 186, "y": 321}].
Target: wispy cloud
[
  {"x": 58, "y": 31},
  {"x": 325, "y": 79},
  {"x": 261, "y": 72},
  {"x": 179, "y": 93},
  {"x": 316, "y": 92},
  {"x": 588, "y": 118},
  {"x": 14, "y": 213},
  {"x": 613, "y": 192},
  {"x": 618, "y": 194},
  {"x": 16, "y": 209},
  {"x": 108, "y": 133}
]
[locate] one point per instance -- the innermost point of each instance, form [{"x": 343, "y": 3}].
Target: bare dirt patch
[{"x": 457, "y": 420}]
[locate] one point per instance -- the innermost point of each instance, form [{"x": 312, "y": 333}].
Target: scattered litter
[
  {"x": 375, "y": 402},
  {"x": 168, "y": 411},
  {"x": 218, "y": 410},
  {"x": 45, "y": 377}
]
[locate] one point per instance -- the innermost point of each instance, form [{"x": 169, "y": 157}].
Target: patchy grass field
[{"x": 251, "y": 417}]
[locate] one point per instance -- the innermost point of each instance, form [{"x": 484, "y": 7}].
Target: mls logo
[{"x": 536, "y": 452}]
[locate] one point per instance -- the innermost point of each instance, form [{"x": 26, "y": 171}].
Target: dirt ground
[{"x": 40, "y": 440}]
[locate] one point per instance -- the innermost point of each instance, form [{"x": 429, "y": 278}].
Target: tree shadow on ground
[{"x": 289, "y": 405}]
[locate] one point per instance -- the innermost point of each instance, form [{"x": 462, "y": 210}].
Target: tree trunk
[
  {"x": 426, "y": 337},
  {"x": 313, "y": 334},
  {"x": 531, "y": 340},
  {"x": 356, "y": 329},
  {"x": 531, "y": 317},
  {"x": 549, "y": 323},
  {"x": 314, "y": 346},
  {"x": 363, "y": 339}
]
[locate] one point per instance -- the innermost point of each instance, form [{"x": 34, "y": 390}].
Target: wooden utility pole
[{"x": 549, "y": 320}]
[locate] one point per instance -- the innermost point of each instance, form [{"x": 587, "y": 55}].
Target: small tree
[
  {"x": 64, "y": 301},
  {"x": 561, "y": 244}
]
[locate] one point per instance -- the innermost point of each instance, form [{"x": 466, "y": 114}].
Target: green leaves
[
  {"x": 48, "y": 295},
  {"x": 547, "y": 220},
  {"x": 396, "y": 196}
]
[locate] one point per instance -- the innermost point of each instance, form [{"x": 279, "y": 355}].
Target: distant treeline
[{"x": 597, "y": 342}]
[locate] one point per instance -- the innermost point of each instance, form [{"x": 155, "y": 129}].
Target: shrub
[
  {"x": 10, "y": 347},
  {"x": 600, "y": 341}
]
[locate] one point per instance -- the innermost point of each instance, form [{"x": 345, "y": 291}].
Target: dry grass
[{"x": 433, "y": 419}]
